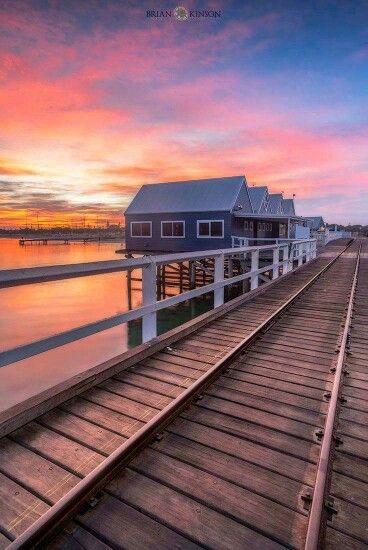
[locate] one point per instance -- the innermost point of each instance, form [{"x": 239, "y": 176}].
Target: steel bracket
[
  {"x": 319, "y": 434},
  {"x": 330, "y": 508},
  {"x": 338, "y": 440},
  {"x": 307, "y": 499}
]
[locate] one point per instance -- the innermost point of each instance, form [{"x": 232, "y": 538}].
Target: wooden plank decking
[{"x": 234, "y": 470}]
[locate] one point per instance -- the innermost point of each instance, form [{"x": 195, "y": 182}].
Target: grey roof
[
  {"x": 317, "y": 222},
  {"x": 190, "y": 196},
  {"x": 288, "y": 207},
  {"x": 257, "y": 195},
  {"x": 276, "y": 203}
]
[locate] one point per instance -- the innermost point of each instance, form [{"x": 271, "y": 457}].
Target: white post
[
  {"x": 285, "y": 259},
  {"x": 314, "y": 249},
  {"x": 218, "y": 298},
  {"x": 254, "y": 267},
  {"x": 300, "y": 254},
  {"x": 275, "y": 261},
  {"x": 149, "y": 321},
  {"x": 230, "y": 266}
]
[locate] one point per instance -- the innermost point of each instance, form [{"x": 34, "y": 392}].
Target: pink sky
[{"x": 95, "y": 103}]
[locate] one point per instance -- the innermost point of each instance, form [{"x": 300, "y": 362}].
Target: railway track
[{"x": 234, "y": 468}]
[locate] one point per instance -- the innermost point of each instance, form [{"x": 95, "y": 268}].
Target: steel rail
[
  {"x": 319, "y": 494},
  {"x": 69, "y": 504}
]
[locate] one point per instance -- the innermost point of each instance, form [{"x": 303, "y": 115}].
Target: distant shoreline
[{"x": 74, "y": 238}]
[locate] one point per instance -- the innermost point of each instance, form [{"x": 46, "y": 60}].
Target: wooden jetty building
[{"x": 208, "y": 213}]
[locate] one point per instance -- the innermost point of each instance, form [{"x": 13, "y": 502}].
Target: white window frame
[
  {"x": 209, "y": 236},
  {"x": 172, "y": 236},
  {"x": 140, "y": 236}
]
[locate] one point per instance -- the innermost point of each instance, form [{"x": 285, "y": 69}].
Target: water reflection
[{"x": 35, "y": 311}]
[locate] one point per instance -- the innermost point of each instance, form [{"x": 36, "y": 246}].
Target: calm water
[{"x": 35, "y": 311}]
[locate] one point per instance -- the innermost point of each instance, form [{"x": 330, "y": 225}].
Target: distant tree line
[
  {"x": 112, "y": 231},
  {"x": 359, "y": 229}
]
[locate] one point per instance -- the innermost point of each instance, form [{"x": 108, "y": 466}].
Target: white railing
[
  {"x": 326, "y": 236},
  {"x": 237, "y": 241},
  {"x": 297, "y": 251}
]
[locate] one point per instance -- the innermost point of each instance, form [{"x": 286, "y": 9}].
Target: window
[
  {"x": 245, "y": 226},
  {"x": 141, "y": 229},
  {"x": 210, "y": 229},
  {"x": 175, "y": 229},
  {"x": 251, "y": 226}
]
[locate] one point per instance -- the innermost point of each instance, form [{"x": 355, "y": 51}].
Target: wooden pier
[
  {"x": 244, "y": 428},
  {"x": 61, "y": 240}
]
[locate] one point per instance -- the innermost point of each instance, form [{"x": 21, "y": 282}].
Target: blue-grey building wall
[{"x": 176, "y": 244}]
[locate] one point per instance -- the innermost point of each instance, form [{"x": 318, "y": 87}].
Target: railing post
[
  {"x": 254, "y": 267},
  {"x": 230, "y": 267},
  {"x": 285, "y": 259},
  {"x": 314, "y": 249},
  {"x": 218, "y": 298},
  {"x": 300, "y": 251},
  {"x": 275, "y": 261},
  {"x": 149, "y": 320},
  {"x": 307, "y": 251}
]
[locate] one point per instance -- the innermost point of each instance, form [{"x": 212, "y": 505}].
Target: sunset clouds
[{"x": 96, "y": 99}]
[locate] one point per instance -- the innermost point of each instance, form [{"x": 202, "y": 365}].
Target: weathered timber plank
[
  {"x": 111, "y": 420},
  {"x": 149, "y": 384},
  {"x": 284, "y": 525},
  {"x": 254, "y": 432},
  {"x": 187, "y": 516},
  {"x": 351, "y": 520},
  {"x": 251, "y": 451},
  {"x": 260, "y": 417},
  {"x": 163, "y": 376},
  {"x": 76, "y": 538},
  {"x": 124, "y": 527},
  {"x": 268, "y": 382},
  {"x": 18, "y": 507},
  {"x": 339, "y": 541},
  {"x": 136, "y": 394},
  {"x": 265, "y": 404},
  {"x": 121, "y": 405},
  {"x": 175, "y": 369},
  {"x": 274, "y": 394},
  {"x": 349, "y": 489},
  {"x": 250, "y": 476},
  {"x": 308, "y": 381},
  {"x": 37, "y": 474},
  {"x": 57, "y": 448}
]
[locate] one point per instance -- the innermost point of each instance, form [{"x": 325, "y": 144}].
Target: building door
[{"x": 283, "y": 231}]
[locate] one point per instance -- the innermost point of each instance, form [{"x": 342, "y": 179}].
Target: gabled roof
[
  {"x": 317, "y": 222},
  {"x": 276, "y": 203},
  {"x": 257, "y": 195},
  {"x": 221, "y": 194},
  {"x": 288, "y": 207}
]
